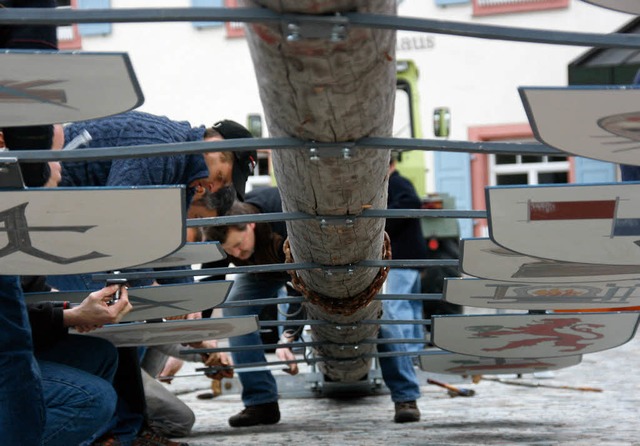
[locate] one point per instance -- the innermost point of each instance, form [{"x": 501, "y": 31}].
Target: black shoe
[
  {"x": 407, "y": 412},
  {"x": 268, "y": 413}
]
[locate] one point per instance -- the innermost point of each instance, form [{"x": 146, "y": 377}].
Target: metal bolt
[
  {"x": 338, "y": 33},
  {"x": 293, "y": 32},
  {"x": 350, "y": 272}
]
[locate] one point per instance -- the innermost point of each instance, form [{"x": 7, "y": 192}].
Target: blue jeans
[
  {"x": 74, "y": 282},
  {"x": 77, "y": 282},
  {"x": 22, "y": 411},
  {"x": 76, "y": 376},
  {"x": 260, "y": 387},
  {"x": 398, "y": 372},
  {"x": 257, "y": 387},
  {"x": 405, "y": 281}
]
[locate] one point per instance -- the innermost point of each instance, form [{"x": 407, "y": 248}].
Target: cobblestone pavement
[{"x": 498, "y": 414}]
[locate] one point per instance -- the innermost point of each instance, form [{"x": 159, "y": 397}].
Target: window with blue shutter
[
  {"x": 94, "y": 29},
  {"x": 451, "y": 2},
  {"x": 492, "y": 7},
  {"x": 594, "y": 171},
  {"x": 207, "y": 4},
  {"x": 452, "y": 175}
]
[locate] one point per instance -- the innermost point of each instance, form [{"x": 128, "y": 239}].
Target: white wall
[
  {"x": 201, "y": 76},
  {"x": 185, "y": 73}
]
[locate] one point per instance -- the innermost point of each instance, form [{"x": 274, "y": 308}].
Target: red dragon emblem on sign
[{"x": 569, "y": 334}]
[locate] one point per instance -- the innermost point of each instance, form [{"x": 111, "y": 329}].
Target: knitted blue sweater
[{"x": 133, "y": 129}]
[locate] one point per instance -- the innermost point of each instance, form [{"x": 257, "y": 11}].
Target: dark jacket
[
  {"x": 270, "y": 237},
  {"x": 46, "y": 318},
  {"x": 407, "y": 240}
]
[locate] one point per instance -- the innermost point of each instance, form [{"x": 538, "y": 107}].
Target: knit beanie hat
[
  {"x": 244, "y": 162},
  {"x": 38, "y": 137}
]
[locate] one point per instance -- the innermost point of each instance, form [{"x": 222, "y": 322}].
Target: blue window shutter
[
  {"x": 453, "y": 176},
  {"x": 451, "y": 2},
  {"x": 207, "y": 4},
  {"x": 594, "y": 171},
  {"x": 94, "y": 29}
]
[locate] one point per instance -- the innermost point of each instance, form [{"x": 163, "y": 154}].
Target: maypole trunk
[{"x": 332, "y": 88}]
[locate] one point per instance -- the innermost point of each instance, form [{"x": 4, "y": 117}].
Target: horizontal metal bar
[
  {"x": 408, "y": 263},
  {"x": 23, "y": 16},
  {"x": 151, "y": 150},
  {"x": 298, "y": 300},
  {"x": 49, "y": 16},
  {"x": 345, "y": 326},
  {"x": 245, "y": 144},
  {"x": 369, "y": 213},
  {"x": 299, "y": 344},
  {"x": 315, "y": 360},
  {"x": 422, "y": 213},
  {"x": 249, "y": 218},
  {"x": 494, "y": 32},
  {"x": 444, "y": 145},
  {"x": 271, "y": 268}
]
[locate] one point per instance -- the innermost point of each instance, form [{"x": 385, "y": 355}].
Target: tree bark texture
[{"x": 323, "y": 90}]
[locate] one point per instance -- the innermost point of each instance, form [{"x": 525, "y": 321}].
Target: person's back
[
  {"x": 133, "y": 129},
  {"x": 407, "y": 240},
  {"x": 266, "y": 199}
]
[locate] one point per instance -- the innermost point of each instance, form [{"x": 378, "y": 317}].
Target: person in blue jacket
[{"x": 223, "y": 174}]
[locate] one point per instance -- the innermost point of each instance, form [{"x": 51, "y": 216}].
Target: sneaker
[
  {"x": 407, "y": 412},
  {"x": 268, "y": 413},
  {"x": 148, "y": 437}
]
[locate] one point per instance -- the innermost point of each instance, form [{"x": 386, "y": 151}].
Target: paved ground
[{"x": 499, "y": 414}]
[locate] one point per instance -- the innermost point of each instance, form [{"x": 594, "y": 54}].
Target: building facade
[{"x": 202, "y": 72}]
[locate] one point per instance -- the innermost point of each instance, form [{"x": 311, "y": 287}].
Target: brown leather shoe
[
  {"x": 107, "y": 439},
  {"x": 268, "y": 413},
  {"x": 148, "y": 437},
  {"x": 407, "y": 412}
]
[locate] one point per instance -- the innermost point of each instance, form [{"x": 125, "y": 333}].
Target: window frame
[
  {"x": 75, "y": 42},
  {"x": 494, "y": 7}
]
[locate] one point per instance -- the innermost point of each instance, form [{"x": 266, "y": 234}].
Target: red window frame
[
  {"x": 493, "y": 7},
  {"x": 75, "y": 43},
  {"x": 234, "y": 29}
]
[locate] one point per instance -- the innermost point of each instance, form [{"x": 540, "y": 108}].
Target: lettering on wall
[{"x": 418, "y": 42}]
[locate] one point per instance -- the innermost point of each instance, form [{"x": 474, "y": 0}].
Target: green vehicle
[{"x": 442, "y": 235}]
